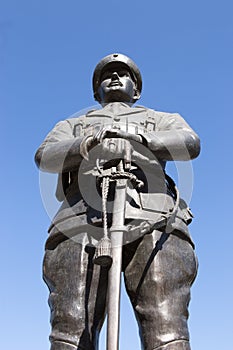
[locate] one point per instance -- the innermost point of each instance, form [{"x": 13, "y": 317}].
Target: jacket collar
[{"x": 116, "y": 108}]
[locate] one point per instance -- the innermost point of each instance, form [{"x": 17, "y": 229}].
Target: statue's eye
[
  {"x": 124, "y": 73},
  {"x": 106, "y": 75}
]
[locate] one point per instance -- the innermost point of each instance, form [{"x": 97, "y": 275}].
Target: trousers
[{"x": 158, "y": 269}]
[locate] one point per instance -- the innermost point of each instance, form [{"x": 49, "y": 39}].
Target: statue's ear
[
  {"x": 96, "y": 96},
  {"x": 137, "y": 95}
]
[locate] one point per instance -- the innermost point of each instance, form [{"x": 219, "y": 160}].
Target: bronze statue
[{"x": 112, "y": 183}]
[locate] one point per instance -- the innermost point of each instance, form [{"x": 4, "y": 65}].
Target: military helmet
[{"x": 115, "y": 57}]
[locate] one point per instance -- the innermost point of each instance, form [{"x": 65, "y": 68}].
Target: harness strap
[{"x": 145, "y": 226}]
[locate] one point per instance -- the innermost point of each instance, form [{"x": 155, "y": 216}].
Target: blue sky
[{"x": 48, "y": 50}]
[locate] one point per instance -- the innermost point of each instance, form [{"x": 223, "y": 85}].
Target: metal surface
[
  {"x": 113, "y": 59},
  {"x": 117, "y": 231},
  {"x": 159, "y": 267}
]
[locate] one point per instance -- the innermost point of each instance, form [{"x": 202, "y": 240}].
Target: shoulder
[
  {"x": 77, "y": 118},
  {"x": 154, "y": 112}
]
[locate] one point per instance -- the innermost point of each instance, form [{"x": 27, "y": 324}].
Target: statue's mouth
[{"x": 115, "y": 83}]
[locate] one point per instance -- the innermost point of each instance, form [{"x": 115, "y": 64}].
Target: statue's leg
[
  {"x": 77, "y": 295},
  {"x": 158, "y": 279},
  {"x": 60, "y": 345}
]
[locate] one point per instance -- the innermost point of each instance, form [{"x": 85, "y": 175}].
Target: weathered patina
[{"x": 158, "y": 258}]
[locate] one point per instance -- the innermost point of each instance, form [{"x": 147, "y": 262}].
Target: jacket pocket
[{"x": 157, "y": 202}]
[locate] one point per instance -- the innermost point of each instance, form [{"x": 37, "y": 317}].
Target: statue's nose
[{"x": 115, "y": 76}]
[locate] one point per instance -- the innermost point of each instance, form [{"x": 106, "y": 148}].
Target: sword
[
  {"x": 109, "y": 251},
  {"x": 116, "y": 235}
]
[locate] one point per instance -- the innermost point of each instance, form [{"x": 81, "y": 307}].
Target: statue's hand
[
  {"x": 85, "y": 145},
  {"x": 120, "y": 146},
  {"x": 115, "y": 133},
  {"x": 117, "y": 148}
]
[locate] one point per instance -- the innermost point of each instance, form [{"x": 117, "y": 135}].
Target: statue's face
[{"x": 117, "y": 85}]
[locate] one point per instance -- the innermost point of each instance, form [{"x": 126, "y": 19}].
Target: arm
[
  {"x": 60, "y": 150},
  {"x": 173, "y": 139}
]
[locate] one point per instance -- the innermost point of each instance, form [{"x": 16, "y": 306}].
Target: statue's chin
[{"x": 116, "y": 95}]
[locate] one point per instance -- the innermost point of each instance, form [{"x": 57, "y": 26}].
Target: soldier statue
[{"x": 158, "y": 259}]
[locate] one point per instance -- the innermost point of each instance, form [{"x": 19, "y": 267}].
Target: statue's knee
[
  {"x": 60, "y": 345},
  {"x": 175, "y": 345}
]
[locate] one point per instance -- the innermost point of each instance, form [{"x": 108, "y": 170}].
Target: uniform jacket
[{"x": 166, "y": 137}]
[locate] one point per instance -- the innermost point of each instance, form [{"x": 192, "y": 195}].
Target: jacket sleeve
[
  {"x": 173, "y": 139},
  {"x": 60, "y": 150}
]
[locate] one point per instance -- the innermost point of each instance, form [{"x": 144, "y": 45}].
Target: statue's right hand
[
  {"x": 91, "y": 140},
  {"x": 114, "y": 148},
  {"x": 85, "y": 145},
  {"x": 100, "y": 135}
]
